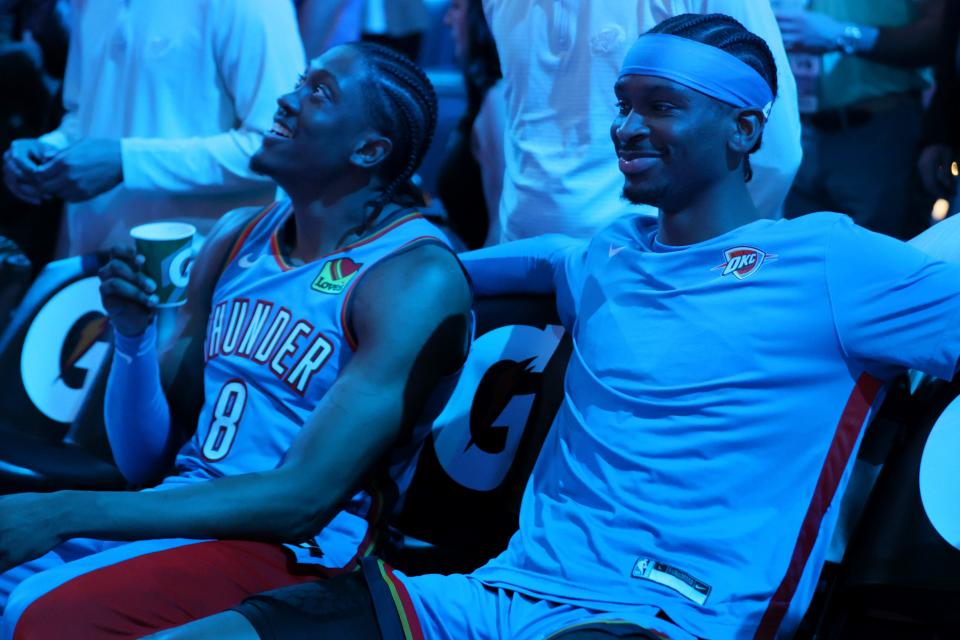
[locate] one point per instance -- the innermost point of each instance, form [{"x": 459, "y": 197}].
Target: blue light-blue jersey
[
  {"x": 277, "y": 339},
  {"x": 714, "y": 402}
]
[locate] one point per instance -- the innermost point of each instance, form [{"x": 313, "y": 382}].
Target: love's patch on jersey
[
  {"x": 676, "y": 579},
  {"x": 743, "y": 262},
  {"x": 335, "y": 276}
]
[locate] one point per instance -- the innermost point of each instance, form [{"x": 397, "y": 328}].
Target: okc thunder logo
[{"x": 743, "y": 262}]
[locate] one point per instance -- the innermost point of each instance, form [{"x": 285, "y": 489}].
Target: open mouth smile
[{"x": 281, "y": 130}]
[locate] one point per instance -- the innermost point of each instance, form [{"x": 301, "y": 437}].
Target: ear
[
  {"x": 371, "y": 151},
  {"x": 748, "y": 127}
]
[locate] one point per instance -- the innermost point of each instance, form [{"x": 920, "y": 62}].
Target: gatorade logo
[
  {"x": 477, "y": 435},
  {"x": 65, "y": 347},
  {"x": 177, "y": 268},
  {"x": 939, "y": 493},
  {"x": 504, "y": 381},
  {"x": 335, "y": 276},
  {"x": 743, "y": 262}
]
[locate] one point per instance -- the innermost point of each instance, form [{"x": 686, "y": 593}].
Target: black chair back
[
  {"x": 55, "y": 353},
  {"x": 465, "y": 494},
  {"x": 899, "y": 577}
]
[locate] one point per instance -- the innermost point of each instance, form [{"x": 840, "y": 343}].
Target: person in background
[
  {"x": 327, "y": 23},
  {"x": 164, "y": 108},
  {"x": 33, "y": 51},
  {"x": 861, "y": 130},
  {"x": 941, "y": 128},
  {"x": 398, "y": 24},
  {"x": 471, "y": 175},
  {"x": 558, "y": 68}
]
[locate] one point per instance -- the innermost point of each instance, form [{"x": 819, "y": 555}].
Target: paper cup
[{"x": 167, "y": 247}]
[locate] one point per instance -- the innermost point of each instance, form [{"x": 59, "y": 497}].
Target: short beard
[{"x": 648, "y": 196}]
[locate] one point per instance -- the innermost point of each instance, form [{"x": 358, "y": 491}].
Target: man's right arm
[
  {"x": 144, "y": 429},
  {"x": 529, "y": 266}
]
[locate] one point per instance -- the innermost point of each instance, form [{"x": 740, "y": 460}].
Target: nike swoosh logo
[
  {"x": 615, "y": 250},
  {"x": 246, "y": 261}
]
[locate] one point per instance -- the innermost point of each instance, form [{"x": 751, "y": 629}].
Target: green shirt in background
[{"x": 847, "y": 79}]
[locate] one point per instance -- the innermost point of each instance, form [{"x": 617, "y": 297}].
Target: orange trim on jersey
[
  {"x": 401, "y": 599},
  {"x": 379, "y": 234},
  {"x": 275, "y": 251},
  {"x": 238, "y": 243},
  {"x": 344, "y": 324},
  {"x": 275, "y": 243}
]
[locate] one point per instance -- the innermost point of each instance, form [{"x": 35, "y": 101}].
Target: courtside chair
[
  {"x": 54, "y": 357},
  {"x": 900, "y": 576},
  {"x": 463, "y": 502}
]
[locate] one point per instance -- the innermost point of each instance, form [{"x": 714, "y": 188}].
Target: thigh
[
  {"x": 443, "y": 607},
  {"x": 338, "y": 607},
  {"x": 147, "y": 586},
  {"x": 608, "y": 631},
  {"x": 66, "y": 552},
  {"x": 642, "y": 624},
  {"x": 220, "y": 626}
]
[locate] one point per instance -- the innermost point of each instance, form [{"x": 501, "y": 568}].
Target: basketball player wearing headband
[{"x": 723, "y": 368}]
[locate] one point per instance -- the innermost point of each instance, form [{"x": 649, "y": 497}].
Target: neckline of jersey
[
  {"x": 400, "y": 218},
  {"x": 654, "y": 244}
]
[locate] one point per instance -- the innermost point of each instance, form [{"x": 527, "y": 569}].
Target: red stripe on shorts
[{"x": 160, "y": 590}]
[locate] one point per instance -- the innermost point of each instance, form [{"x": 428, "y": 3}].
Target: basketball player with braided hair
[
  {"x": 723, "y": 367},
  {"x": 317, "y": 340}
]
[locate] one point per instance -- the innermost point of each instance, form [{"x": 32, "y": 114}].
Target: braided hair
[
  {"x": 726, "y": 33},
  {"x": 400, "y": 102}
]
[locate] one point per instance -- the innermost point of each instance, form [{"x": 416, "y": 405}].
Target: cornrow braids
[
  {"x": 402, "y": 104},
  {"x": 726, "y": 33}
]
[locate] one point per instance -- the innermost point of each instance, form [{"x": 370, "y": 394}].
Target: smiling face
[
  {"x": 320, "y": 131},
  {"x": 671, "y": 141}
]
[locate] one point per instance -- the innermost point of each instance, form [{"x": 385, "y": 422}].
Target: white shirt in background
[
  {"x": 560, "y": 60},
  {"x": 486, "y": 143},
  {"x": 188, "y": 87}
]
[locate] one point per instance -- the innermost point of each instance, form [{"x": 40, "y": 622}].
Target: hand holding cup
[
  {"x": 135, "y": 283},
  {"x": 167, "y": 248},
  {"x": 129, "y": 295}
]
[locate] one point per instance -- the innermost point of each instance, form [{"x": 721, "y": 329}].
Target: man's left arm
[
  {"x": 259, "y": 55},
  {"x": 941, "y": 241},
  {"x": 406, "y": 343},
  {"x": 897, "y": 304}
]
